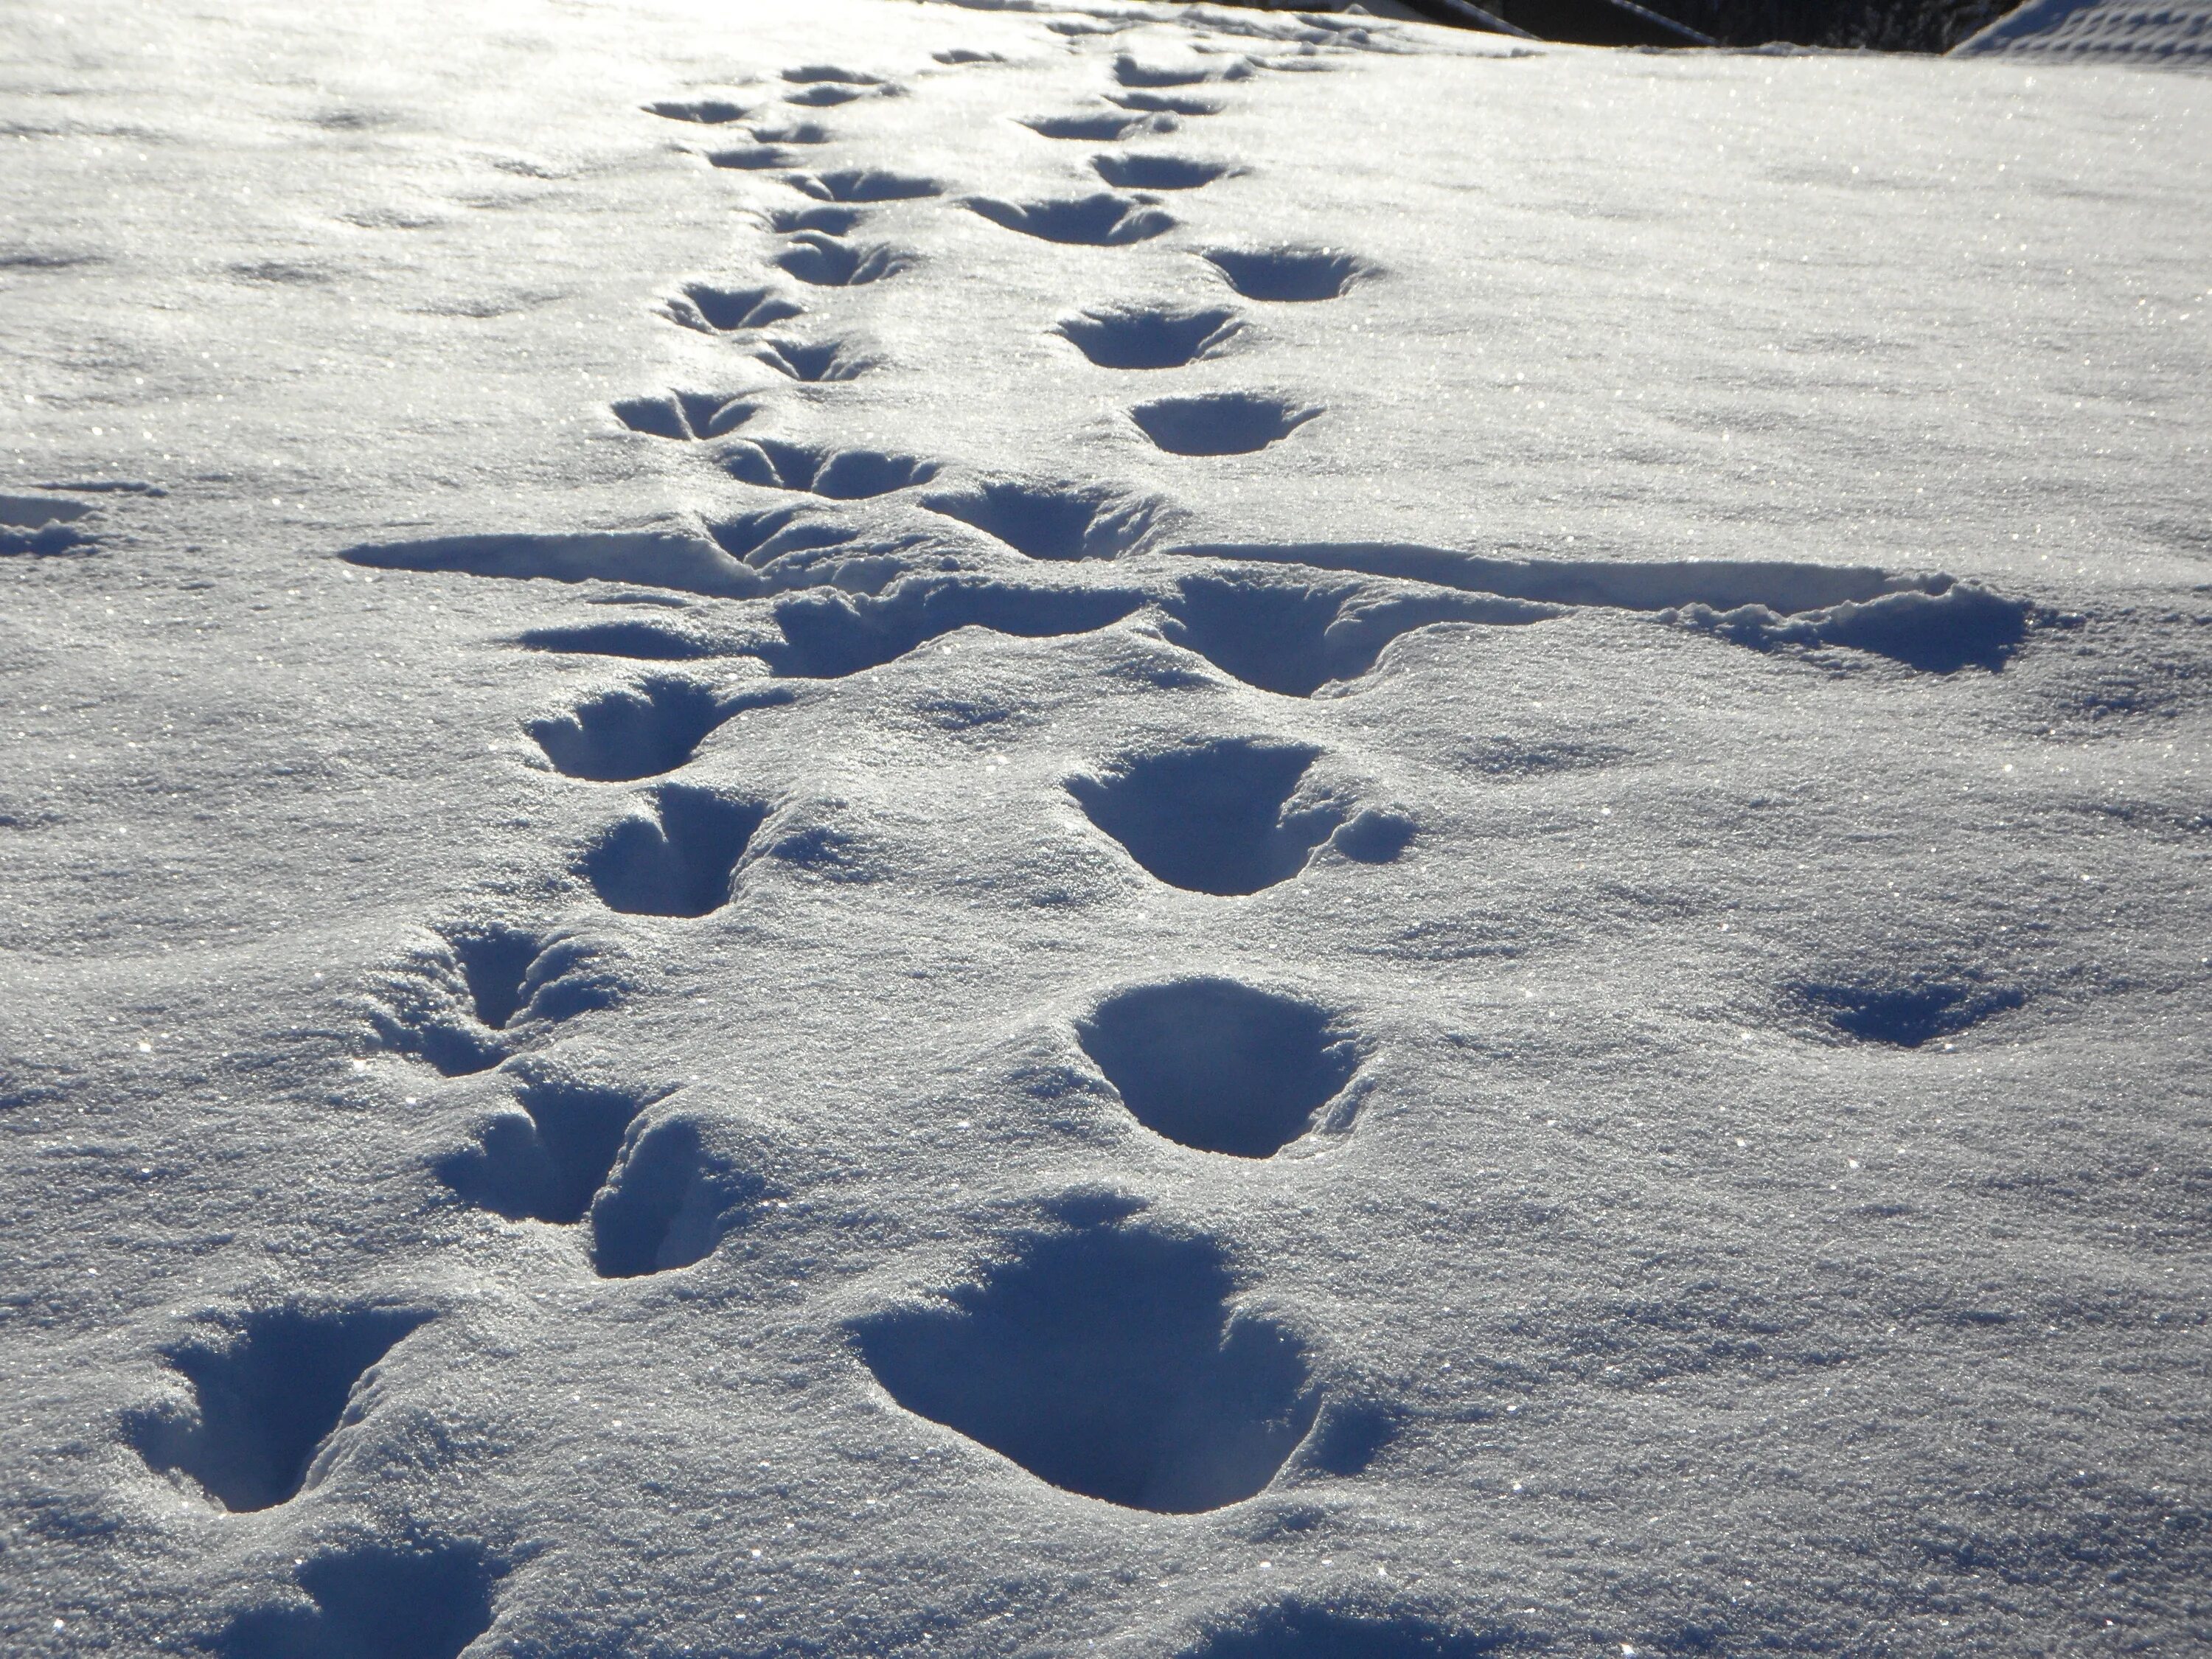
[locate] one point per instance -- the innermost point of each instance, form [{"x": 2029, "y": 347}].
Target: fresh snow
[{"x": 852, "y": 827}]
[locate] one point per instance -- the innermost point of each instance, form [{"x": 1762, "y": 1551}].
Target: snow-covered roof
[{"x": 2171, "y": 34}]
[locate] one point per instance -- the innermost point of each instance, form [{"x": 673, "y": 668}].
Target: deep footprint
[
  {"x": 1163, "y": 103},
  {"x": 684, "y": 415},
  {"x": 706, "y": 112},
  {"x": 842, "y": 475},
  {"x": 1293, "y": 639},
  {"x": 710, "y": 310},
  {"x": 828, "y": 635},
  {"x": 420, "y": 1602},
  {"x": 815, "y": 362},
  {"x": 545, "y": 1162},
  {"x": 1096, "y": 221},
  {"x": 863, "y": 184},
  {"x": 1220, "y": 423},
  {"x": 634, "y": 732},
  {"x": 1153, "y": 336},
  {"x": 1107, "y": 1361},
  {"x": 1289, "y": 275},
  {"x": 1210, "y": 817},
  {"x": 1055, "y": 521},
  {"x": 669, "y": 1205},
  {"x": 816, "y": 257},
  {"x": 268, "y": 1400},
  {"x": 1217, "y": 1066},
  {"x": 761, "y": 539},
  {"x": 453, "y": 1006},
  {"x": 1157, "y": 172},
  {"x": 675, "y": 857}
]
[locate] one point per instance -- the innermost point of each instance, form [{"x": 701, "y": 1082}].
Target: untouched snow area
[{"x": 842, "y": 828}]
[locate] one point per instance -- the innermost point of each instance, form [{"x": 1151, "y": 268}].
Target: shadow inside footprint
[
  {"x": 1109, "y": 125},
  {"x": 1143, "y": 172},
  {"x": 641, "y": 642},
  {"x": 706, "y": 112},
  {"x": 267, "y": 1401},
  {"x": 1130, "y": 72},
  {"x": 545, "y": 1162},
  {"x": 796, "y": 132},
  {"x": 1288, "y": 274},
  {"x": 450, "y": 1005},
  {"x": 828, "y": 635},
  {"x": 1292, "y": 638},
  {"x": 1216, "y": 1066},
  {"x": 1096, "y": 221},
  {"x": 1210, "y": 817},
  {"x": 1053, "y": 521},
  {"x": 816, "y": 257},
  {"x": 1220, "y": 423},
  {"x": 863, "y": 184},
  {"x": 1907, "y": 1011},
  {"x": 632, "y": 731},
  {"x": 670, "y": 1203},
  {"x": 751, "y": 158},
  {"x": 1153, "y": 336},
  {"x": 827, "y": 220},
  {"x": 710, "y": 310},
  {"x": 413, "y": 1602},
  {"x": 1108, "y": 1361},
  {"x": 815, "y": 362},
  {"x": 676, "y": 857},
  {"x": 1164, "y": 103},
  {"x": 843, "y": 474},
  {"x": 684, "y": 415},
  {"x": 761, "y": 539}
]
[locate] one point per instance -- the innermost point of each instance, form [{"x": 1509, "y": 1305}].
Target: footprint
[
  {"x": 795, "y": 132},
  {"x": 1157, "y": 172},
  {"x": 1288, "y": 274},
  {"x": 1220, "y": 423},
  {"x": 1219, "y": 1066},
  {"x": 1292, "y": 638},
  {"x": 544, "y": 1161},
  {"x": 42, "y": 525},
  {"x": 684, "y": 415},
  {"x": 1109, "y": 1361},
  {"x": 704, "y": 111},
  {"x": 713, "y": 310},
  {"x": 843, "y": 474},
  {"x": 633, "y": 731},
  {"x": 825, "y": 261},
  {"x": 1056, "y": 521},
  {"x": 669, "y": 1205},
  {"x": 1906, "y": 1009},
  {"x": 267, "y": 1400},
  {"x": 455, "y": 1004},
  {"x": 827, "y": 636},
  {"x": 816, "y": 362},
  {"x": 830, "y": 220},
  {"x": 1128, "y": 72},
  {"x": 761, "y": 539},
  {"x": 676, "y": 855},
  {"x": 1297, "y": 1629},
  {"x": 1105, "y": 124},
  {"x": 1960, "y": 625},
  {"x": 1160, "y": 103},
  {"x": 420, "y": 1601},
  {"x": 1212, "y": 817},
  {"x": 863, "y": 184},
  {"x": 1096, "y": 221},
  {"x": 751, "y": 158},
  {"x": 959, "y": 55},
  {"x": 825, "y": 96},
  {"x": 642, "y": 641},
  {"x": 1154, "y": 337}
]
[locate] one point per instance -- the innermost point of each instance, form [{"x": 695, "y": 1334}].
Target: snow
[
  {"x": 2170, "y": 35},
  {"x": 849, "y": 826}
]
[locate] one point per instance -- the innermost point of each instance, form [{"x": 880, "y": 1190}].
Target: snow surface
[{"x": 852, "y": 828}]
